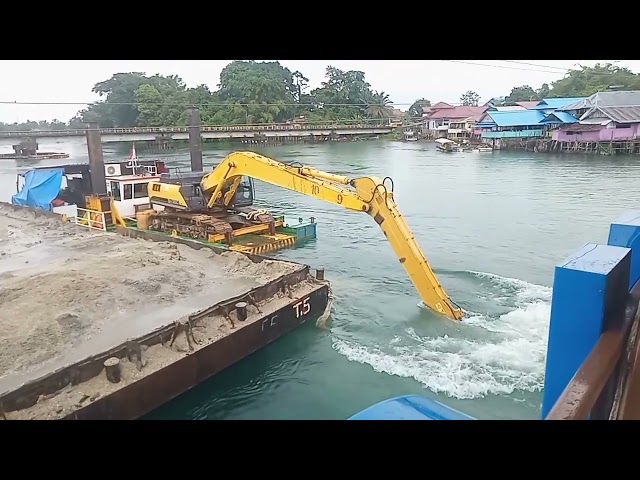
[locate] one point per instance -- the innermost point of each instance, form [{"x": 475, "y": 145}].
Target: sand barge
[{"x": 169, "y": 310}]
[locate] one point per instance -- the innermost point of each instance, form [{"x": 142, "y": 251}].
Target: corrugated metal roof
[
  {"x": 607, "y": 99},
  {"x": 528, "y": 104},
  {"x": 457, "y": 112},
  {"x": 517, "y": 118},
  {"x": 508, "y": 108},
  {"x": 560, "y": 117},
  {"x": 630, "y": 114},
  {"x": 546, "y": 103}
]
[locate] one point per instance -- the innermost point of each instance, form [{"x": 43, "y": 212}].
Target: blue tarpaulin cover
[{"x": 41, "y": 187}]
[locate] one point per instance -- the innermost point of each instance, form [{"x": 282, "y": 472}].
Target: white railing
[{"x": 92, "y": 219}]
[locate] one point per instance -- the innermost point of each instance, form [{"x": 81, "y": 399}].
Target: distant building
[
  {"x": 446, "y": 121},
  {"x": 511, "y": 124},
  {"x": 602, "y": 117},
  {"x": 549, "y": 105}
]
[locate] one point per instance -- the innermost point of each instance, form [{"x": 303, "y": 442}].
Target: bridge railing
[
  {"x": 343, "y": 125},
  {"x": 593, "y": 356}
]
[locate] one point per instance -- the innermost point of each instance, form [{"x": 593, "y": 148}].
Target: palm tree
[{"x": 379, "y": 105}]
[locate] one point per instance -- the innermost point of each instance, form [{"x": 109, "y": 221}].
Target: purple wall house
[{"x": 597, "y": 133}]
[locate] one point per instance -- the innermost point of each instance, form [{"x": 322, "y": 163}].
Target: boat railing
[
  {"x": 92, "y": 219},
  {"x": 607, "y": 384}
]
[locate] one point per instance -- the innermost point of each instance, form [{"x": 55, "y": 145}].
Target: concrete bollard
[
  {"x": 112, "y": 369},
  {"x": 586, "y": 288},
  {"x": 625, "y": 232},
  {"x": 243, "y": 313}
]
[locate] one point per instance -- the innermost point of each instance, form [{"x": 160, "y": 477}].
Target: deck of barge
[{"x": 70, "y": 298}]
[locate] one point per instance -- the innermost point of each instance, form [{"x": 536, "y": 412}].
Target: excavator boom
[{"x": 365, "y": 194}]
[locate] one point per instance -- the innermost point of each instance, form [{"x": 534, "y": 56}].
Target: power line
[
  {"x": 184, "y": 104},
  {"x": 500, "y": 66},
  {"x": 535, "y": 65},
  {"x": 603, "y": 74}
]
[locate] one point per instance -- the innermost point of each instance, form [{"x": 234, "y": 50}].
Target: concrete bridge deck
[{"x": 111, "y": 135}]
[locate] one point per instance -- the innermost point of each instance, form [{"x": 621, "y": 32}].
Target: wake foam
[{"x": 497, "y": 354}]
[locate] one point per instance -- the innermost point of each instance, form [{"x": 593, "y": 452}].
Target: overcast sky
[{"x": 404, "y": 80}]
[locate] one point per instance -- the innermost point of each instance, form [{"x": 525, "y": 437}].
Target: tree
[
  {"x": 599, "y": 78},
  {"x": 379, "y": 105},
  {"x": 470, "y": 99},
  {"x": 521, "y": 94},
  {"x": 415, "y": 110},
  {"x": 248, "y": 92},
  {"x": 543, "y": 91}
]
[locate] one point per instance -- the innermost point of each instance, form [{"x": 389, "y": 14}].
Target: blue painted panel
[
  {"x": 410, "y": 407},
  {"x": 586, "y": 287},
  {"x": 625, "y": 232},
  {"x": 514, "y": 134}
]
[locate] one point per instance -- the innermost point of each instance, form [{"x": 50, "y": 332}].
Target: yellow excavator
[{"x": 220, "y": 188}]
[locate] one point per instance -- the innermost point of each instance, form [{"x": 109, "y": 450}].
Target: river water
[{"x": 493, "y": 225}]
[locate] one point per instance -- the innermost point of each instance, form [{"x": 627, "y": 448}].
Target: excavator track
[{"x": 198, "y": 225}]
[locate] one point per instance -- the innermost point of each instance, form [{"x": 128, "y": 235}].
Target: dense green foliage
[
  {"x": 252, "y": 92},
  {"x": 579, "y": 83},
  {"x": 248, "y": 93}
]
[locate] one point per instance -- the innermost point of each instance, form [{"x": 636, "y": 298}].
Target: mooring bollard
[
  {"x": 112, "y": 369},
  {"x": 319, "y": 273},
  {"x": 241, "y": 308}
]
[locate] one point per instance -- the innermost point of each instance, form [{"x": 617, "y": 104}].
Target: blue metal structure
[
  {"x": 512, "y": 118},
  {"x": 555, "y": 103},
  {"x": 559, "y": 118},
  {"x": 588, "y": 286},
  {"x": 410, "y": 407}
]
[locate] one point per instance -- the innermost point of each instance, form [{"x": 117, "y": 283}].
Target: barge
[
  {"x": 35, "y": 156},
  {"x": 99, "y": 325}
]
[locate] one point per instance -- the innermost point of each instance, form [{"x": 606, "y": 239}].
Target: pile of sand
[{"x": 67, "y": 292}]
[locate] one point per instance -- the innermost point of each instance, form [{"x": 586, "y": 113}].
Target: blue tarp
[{"x": 41, "y": 187}]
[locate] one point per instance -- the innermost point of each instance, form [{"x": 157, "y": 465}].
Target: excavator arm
[{"x": 366, "y": 194}]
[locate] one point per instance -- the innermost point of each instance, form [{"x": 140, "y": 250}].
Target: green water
[{"x": 493, "y": 225}]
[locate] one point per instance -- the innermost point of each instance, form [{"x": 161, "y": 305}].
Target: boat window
[
  {"x": 140, "y": 190},
  {"x": 115, "y": 191},
  {"x": 128, "y": 191}
]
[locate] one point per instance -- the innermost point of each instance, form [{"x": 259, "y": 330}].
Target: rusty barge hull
[{"x": 156, "y": 367}]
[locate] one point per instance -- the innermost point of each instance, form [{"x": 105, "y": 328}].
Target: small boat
[
  {"x": 446, "y": 145},
  {"x": 482, "y": 148},
  {"x": 409, "y": 136}
]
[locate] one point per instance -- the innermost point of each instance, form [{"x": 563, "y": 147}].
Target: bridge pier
[
  {"x": 195, "y": 141},
  {"x": 96, "y": 159}
]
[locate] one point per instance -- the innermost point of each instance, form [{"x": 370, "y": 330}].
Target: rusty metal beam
[{"x": 584, "y": 392}]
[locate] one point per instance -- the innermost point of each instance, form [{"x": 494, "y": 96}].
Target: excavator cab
[
  {"x": 244, "y": 194},
  {"x": 190, "y": 192}
]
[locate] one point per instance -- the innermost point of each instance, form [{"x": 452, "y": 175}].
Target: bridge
[{"x": 256, "y": 131}]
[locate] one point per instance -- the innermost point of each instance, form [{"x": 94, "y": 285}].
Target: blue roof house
[
  {"x": 512, "y": 124},
  {"x": 559, "y": 118},
  {"x": 548, "y": 105}
]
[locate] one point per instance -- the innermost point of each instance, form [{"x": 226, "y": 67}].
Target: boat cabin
[
  {"x": 129, "y": 192},
  {"x": 446, "y": 145}
]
